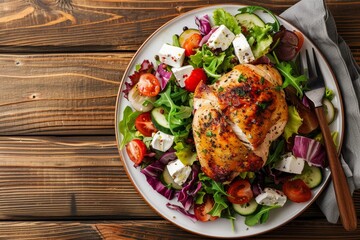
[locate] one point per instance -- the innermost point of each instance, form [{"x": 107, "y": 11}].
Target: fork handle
[{"x": 342, "y": 192}]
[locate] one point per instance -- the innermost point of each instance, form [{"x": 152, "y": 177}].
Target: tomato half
[
  {"x": 297, "y": 191},
  {"x": 149, "y": 85},
  {"x": 196, "y": 76},
  {"x": 201, "y": 210},
  {"x": 239, "y": 192},
  {"x": 144, "y": 124},
  {"x": 136, "y": 150},
  {"x": 301, "y": 40},
  {"x": 192, "y": 43}
]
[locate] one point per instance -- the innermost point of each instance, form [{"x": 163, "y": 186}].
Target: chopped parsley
[{"x": 242, "y": 78}]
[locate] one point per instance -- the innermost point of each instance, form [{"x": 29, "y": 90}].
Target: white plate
[{"x": 221, "y": 227}]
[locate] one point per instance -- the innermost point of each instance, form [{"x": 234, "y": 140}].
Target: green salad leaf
[
  {"x": 286, "y": 70},
  {"x": 127, "y": 126},
  {"x": 179, "y": 115},
  {"x": 217, "y": 190},
  {"x": 293, "y": 124},
  {"x": 260, "y": 40},
  {"x": 213, "y": 64},
  {"x": 275, "y": 26},
  {"x": 261, "y": 216},
  {"x": 222, "y": 17},
  {"x": 185, "y": 153}
]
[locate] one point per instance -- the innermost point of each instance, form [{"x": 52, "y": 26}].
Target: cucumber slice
[
  {"x": 137, "y": 100},
  {"x": 168, "y": 180},
  {"x": 158, "y": 117},
  {"x": 247, "y": 208},
  {"x": 249, "y": 20},
  {"x": 329, "y": 109},
  {"x": 312, "y": 176},
  {"x": 186, "y": 34}
]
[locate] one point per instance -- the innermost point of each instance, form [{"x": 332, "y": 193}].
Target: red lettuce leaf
[{"x": 310, "y": 150}]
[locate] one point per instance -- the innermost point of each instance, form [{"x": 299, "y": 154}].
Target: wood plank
[
  {"x": 108, "y": 230},
  {"x": 73, "y": 178},
  {"x": 78, "y": 25},
  {"x": 60, "y": 93}
]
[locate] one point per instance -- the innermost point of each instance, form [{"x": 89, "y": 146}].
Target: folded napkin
[{"x": 315, "y": 21}]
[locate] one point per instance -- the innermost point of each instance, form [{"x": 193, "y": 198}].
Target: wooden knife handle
[{"x": 342, "y": 192}]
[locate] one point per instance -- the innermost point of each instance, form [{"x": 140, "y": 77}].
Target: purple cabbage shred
[{"x": 203, "y": 24}]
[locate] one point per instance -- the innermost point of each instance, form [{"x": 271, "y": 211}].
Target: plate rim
[{"x": 124, "y": 79}]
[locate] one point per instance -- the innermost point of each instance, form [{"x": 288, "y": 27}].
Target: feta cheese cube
[
  {"x": 182, "y": 73},
  {"x": 271, "y": 197},
  {"x": 221, "y": 38},
  {"x": 291, "y": 164},
  {"x": 162, "y": 141},
  {"x": 178, "y": 171},
  {"x": 171, "y": 55},
  {"x": 242, "y": 49}
]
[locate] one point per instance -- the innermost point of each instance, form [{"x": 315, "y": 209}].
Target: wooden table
[{"x": 61, "y": 62}]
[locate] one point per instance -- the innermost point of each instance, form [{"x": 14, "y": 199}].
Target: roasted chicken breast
[{"x": 237, "y": 118}]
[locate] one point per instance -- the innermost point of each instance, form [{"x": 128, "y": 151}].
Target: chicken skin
[{"x": 236, "y": 119}]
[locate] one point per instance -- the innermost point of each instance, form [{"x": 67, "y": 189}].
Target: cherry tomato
[
  {"x": 136, "y": 150},
  {"x": 201, "y": 210},
  {"x": 191, "y": 44},
  {"x": 148, "y": 85},
  {"x": 297, "y": 191},
  {"x": 144, "y": 124},
  {"x": 301, "y": 40},
  {"x": 196, "y": 76},
  {"x": 240, "y": 192}
]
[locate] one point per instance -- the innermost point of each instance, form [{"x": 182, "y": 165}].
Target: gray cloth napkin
[{"x": 314, "y": 19}]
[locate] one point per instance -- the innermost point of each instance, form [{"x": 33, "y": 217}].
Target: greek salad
[{"x": 157, "y": 129}]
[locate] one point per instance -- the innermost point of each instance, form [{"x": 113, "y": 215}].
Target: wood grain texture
[
  {"x": 73, "y": 178},
  {"x": 60, "y": 93},
  {"x": 70, "y": 177},
  {"x": 159, "y": 229},
  {"x": 78, "y": 25}
]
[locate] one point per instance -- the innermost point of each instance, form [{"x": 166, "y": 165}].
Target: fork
[{"x": 344, "y": 200}]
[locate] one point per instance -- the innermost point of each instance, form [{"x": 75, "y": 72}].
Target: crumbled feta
[
  {"x": 291, "y": 164},
  {"x": 221, "y": 38},
  {"x": 178, "y": 171},
  {"x": 242, "y": 49},
  {"x": 162, "y": 141},
  {"x": 271, "y": 197},
  {"x": 182, "y": 73},
  {"x": 171, "y": 55}
]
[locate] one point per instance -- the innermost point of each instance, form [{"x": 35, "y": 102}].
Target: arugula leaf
[
  {"x": 218, "y": 192},
  {"x": 178, "y": 116},
  {"x": 260, "y": 217},
  {"x": 286, "y": 71},
  {"x": 127, "y": 126},
  {"x": 275, "y": 26},
  {"x": 222, "y": 17},
  {"x": 274, "y": 155}
]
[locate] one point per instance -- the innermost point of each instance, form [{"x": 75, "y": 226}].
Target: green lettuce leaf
[
  {"x": 261, "y": 40},
  {"x": 293, "y": 123},
  {"x": 127, "y": 126},
  {"x": 222, "y": 17},
  {"x": 185, "y": 153}
]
